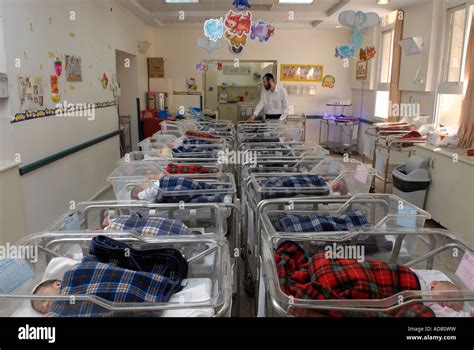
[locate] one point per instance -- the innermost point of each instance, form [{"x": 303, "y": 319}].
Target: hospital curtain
[{"x": 466, "y": 123}]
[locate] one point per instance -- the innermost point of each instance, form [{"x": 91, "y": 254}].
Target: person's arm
[
  {"x": 284, "y": 113},
  {"x": 258, "y": 108}
]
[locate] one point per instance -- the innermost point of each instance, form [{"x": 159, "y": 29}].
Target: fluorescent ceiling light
[
  {"x": 383, "y": 2},
  {"x": 296, "y": 2},
  {"x": 182, "y": 1}
]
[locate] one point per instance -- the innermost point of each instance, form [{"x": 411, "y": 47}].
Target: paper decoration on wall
[
  {"x": 201, "y": 67},
  {"x": 328, "y": 82},
  {"x": 362, "y": 54},
  {"x": 58, "y": 66},
  {"x": 114, "y": 86},
  {"x": 214, "y": 29},
  {"x": 208, "y": 45},
  {"x": 301, "y": 72},
  {"x": 51, "y": 54},
  {"x": 104, "y": 80},
  {"x": 361, "y": 70},
  {"x": 54, "y": 88},
  {"x": 31, "y": 92},
  {"x": 191, "y": 84},
  {"x": 48, "y": 112},
  {"x": 72, "y": 35},
  {"x": 241, "y": 4},
  {"x": 345, "y": 51},
  {"x": 217, "y": 66},
  {"x": 25, "y": 55},
  {"x": 359, "y": 22},
  {"x": 261, "y": 30},
  {"x": 238, "y": 23},
  {"x": 73, "y": 68}
]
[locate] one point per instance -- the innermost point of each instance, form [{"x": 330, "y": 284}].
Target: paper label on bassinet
[
  {"x": 406, "y": 217},
  {"x": 465, "y": 270},
  {"x": 13, "y": 273},
  {"x": 362, "y": 174}
]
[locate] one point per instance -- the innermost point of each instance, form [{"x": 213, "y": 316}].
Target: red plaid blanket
[
  {"x": 189, "y": 169},
  {"x": 201, "y": 135},
  {"x": 321, "y": 279}
]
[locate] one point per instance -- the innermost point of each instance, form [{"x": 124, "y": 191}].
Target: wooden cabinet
[
  {"x": 229, "y": 111},
  {"x": 450, "y": 198}
]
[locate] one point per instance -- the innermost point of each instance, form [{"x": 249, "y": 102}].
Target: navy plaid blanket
[
  {"x": 153, "y": 226},
  {"x": 193, "y": 149},
  {"x": 352, "y": 221},
  {"x": 197, "y": 142},
  {"x": 114, "y": 284},
  {"x": 164, "y": 261},
  {"x": 287, "y": 186},
  {"x": 173, "y": 184}
]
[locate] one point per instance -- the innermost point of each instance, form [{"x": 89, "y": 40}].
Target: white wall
[
  {"x": 179, "y": 48},
  {"x": 128, "y": 80},
  {"x": 100, "y": 28}
]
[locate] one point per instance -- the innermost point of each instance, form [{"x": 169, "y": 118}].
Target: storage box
[{"x": 156, "y": 67}]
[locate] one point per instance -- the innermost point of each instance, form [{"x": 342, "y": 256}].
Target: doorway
[
  {"x": 127, "y": 78},
  {"x": 233, "y": 92}
]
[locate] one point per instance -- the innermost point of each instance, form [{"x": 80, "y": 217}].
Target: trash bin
[{"x": 411, "y": 181}]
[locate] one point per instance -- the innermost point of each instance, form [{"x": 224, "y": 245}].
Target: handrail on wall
[{"x": 28, "y": 168}]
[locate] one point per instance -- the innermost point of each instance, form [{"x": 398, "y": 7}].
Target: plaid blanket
[
  {"x": 197, "y": 142},
  {"x": 153, "y": 226},
  {"x": 113, "y": 284},
  {"x": 283, "y": 186},
  {"x": 193, "y": 149},
  {"x": 201, "y": 135},
  {"x": 262, "y": 139},
  {"x": 173, "y": 184},
  {"x": 168, "y": 262},
  {"x": 352, "y": 221},
  {"x": 319, "y": 278},
  {"x": 189, "y": 169}
]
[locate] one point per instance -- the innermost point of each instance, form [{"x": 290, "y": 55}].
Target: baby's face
[
  {"x": 44, "y": 306},
  {"x": 135, "y": 191},
  {"x": 447, "y": 286}
]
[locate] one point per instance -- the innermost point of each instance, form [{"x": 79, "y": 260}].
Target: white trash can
[{"x": 411, "y": 181}]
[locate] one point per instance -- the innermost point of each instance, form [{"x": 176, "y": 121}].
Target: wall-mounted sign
[
  {"x": 231, "y": 70},
  {"x": 301, "y": 73}
]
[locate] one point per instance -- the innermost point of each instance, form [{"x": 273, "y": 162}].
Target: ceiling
[{"x": 321, "y": 14}]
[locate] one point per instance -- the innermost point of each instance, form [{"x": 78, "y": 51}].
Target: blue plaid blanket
[
  {"x": 197, "y": 142},
  {"x": 153, "y": 226},
  {"x": 175, "y": 183},
  {"x": 287, "y": 186},
  {"x": 168, "y": 262},
  {"x": 114, "y": 284},
  {"x": 193, "y": 149},
  {"x": 352, "y": 221}
]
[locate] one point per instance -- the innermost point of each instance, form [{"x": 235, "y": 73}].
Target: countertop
[{"x": 449, "y": 152}]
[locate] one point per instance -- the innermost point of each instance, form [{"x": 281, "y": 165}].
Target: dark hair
[
  {"x": 269, "y": 76},
  {"x": 44, "y": 284}
]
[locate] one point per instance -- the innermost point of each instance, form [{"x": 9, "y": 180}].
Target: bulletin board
[{"x": 301, "y": 73}]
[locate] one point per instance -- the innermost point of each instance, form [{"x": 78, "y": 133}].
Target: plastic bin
[{"x": 411, "y": 181}]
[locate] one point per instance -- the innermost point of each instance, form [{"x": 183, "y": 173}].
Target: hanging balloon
[
  {"x": 345, "y": 51},
  {"x": 241, "y": 4},
  {"x": 261, "y": 30},
  {"x": 238, "y": 23},
  {"x": 359, "y": 22},
  {"x": 208, "y": 45},
  {"x": 214, "y": 29},
  {"x": 235, "y": 40}
]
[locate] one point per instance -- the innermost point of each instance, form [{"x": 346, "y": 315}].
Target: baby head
[
  {"x": 340, "y": 187},
  {"x": 50, "y": 288},
  {"x": 455, "y": 293},
  {"x": 135, "y": 191}
]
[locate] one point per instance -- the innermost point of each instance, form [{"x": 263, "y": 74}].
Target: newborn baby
[
  {"x": 448, "y": 308},
  {"x": 50, "y": 288}
]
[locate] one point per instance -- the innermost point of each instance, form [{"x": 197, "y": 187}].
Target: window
[
  {"x": 382, "y": 104},
  {"x": 455, "y": 44},
  {"x": 387, "y": 55},
  {"x": 451, "y": 85}
]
